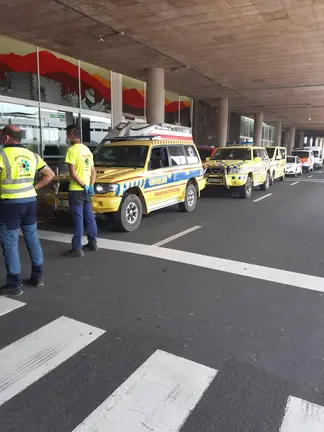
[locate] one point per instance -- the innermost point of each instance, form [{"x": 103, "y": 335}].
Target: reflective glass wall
[
  {"x": 43, "y": 92},
  {"x": 247, "y": 129}
]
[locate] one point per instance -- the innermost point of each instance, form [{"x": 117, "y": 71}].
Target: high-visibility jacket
[{"x": 18, "y": 167}]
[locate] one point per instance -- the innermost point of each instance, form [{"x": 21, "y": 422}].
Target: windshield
[
  {"x": 270, "y": 151},
  {"x": 121, "y": 156},
  {"x": 232, "y": 153},
  {"x": 316, "y": 153},
  {"x": 205, "y": 153},
  {"x": 291, "y": 159},
  {"x": 301, "y": 154}
]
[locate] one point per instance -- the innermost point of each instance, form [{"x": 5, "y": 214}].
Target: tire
[
  {"x": 190, "y": 201},
  {"x": 308, "y": 170},
  {"x": 295, "y": 175},
  {"x": 282, "y": 178},
  {"x": 272, "y": 178},
  {"x": 266, "y": 184},
  {"x": 245, "y": 191},
  {"x": 129, "y": 215}
]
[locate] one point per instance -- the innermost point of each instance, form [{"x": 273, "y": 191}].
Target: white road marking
[
  {"x": 310, "y": 176},
  {"x": 293, "y": 184},
  {"x": 299, "y": 280},
  {"x": 174, "y": 237},
  {"x": 306, "y": 180},
  {"x": 319, "y": 172},
  {"x": 262, "y": 198},
  {"x": 25, "y": 361},
  {"x": 157, "y": 397},
  {"x": 302, "y": 416},
  {"x": 7, "y": 305}
]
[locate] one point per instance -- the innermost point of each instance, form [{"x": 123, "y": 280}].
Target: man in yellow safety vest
[{"x": 18, "y": 168}]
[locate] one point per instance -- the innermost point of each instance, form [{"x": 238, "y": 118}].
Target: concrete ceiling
[{"x": 265, "y": 55}]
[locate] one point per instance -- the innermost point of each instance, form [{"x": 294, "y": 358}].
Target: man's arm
[
  {"x": 74, "y": 175},
  {"x": 47, "y": 176},
  {"x": 93, "y": 175}
]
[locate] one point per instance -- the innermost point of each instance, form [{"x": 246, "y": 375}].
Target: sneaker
[
  {"x": 92, "y": 246},
  {"x": 10, "y": 291},
  {"x": 75, "y": 253},
  {"x": 35, "y": 282}
]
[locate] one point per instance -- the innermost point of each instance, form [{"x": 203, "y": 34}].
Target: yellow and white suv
[{"x": 241, "y": 167}]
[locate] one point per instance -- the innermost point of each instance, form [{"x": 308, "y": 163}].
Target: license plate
[
  {"x": 63, "y": 204},
  {"x": 215, "y": 180}
]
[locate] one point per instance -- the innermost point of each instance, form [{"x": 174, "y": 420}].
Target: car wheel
[
  {"x": 308, "y": 170},
  {"x": 295, "y": 173},
  {"x": 272, "y": 178},
  {"x": 129, "y": 214},
  {"x": 190, "y": 201},
  {"x": 282, "y": 178},
  {"x": 245, "y": 191},
  {"x": 266, "y": 184}
]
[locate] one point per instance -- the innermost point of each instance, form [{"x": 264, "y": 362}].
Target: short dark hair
[
  {"x": 74, "y": 130},
  {"x": 13, "y": 131}
]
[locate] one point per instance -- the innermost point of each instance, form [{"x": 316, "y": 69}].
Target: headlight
[
  {"x": 102, "y": 188},
  {"x": 236, "y": 170}
]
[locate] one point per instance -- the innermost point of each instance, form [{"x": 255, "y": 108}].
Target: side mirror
[
  {"x": 257, "y": 159},
  {"x": 207, "y": 159}
]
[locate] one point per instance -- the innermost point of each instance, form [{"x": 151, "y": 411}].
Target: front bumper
[
  {"x": 227, "y": 180},
  {"x": 100, "y": 203}
]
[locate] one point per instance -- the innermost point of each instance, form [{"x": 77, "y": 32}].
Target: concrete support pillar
[
  {"x": 155, "y": 96},
  {"x": 258, "y": 125},
  {"x": 286, "y": 138},
  {"x": 278, "y": 133},
  {"x": 292, "y": 136},
  {"x": 301, "y": 139},
  {"x": 222, "y": 122},
  {"x": 116, "y": 98}
]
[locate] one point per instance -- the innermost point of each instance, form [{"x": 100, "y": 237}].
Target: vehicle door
[
  {"x": 158, "y": 177},
  {"x": 258, "y": 167},
  {"x": 178, "y": 168}
]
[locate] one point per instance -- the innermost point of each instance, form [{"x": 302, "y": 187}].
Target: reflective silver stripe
[
  {"x": 17, "y": 181},
  {"x": 17, "y": 191},
  {"x": 6, "y": 164},
  {"x": 36, "y": 158}
]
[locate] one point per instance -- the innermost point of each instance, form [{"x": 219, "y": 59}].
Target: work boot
[
  {"x": 35, "y": 282},
  {"x": 92, "y": 246},
  {"x": 8, "y": 290},
  {"x": 75, "y": 253}
]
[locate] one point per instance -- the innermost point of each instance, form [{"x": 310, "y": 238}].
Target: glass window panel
[
  {"x": 54, "y": 123},
  {"x": 185, "y": 109},
  {"x": 95, "y": 88},
  {"x": 27, "y": 119},
  {"x": 133, "y": 99},
  {"x": 171, "y": 108},
  {"x": 18, "y": 69},
  {"x": 59, "y": 79},
  {"x": 94, "y": 129}
]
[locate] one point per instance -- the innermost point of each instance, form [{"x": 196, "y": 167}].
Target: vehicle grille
[
  {"x": 216, "y": 171},
  {"x": 64, "y": 187}
]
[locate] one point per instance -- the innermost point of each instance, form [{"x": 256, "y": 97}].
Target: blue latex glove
[
  {"x": 91, "y": 190},
  {"x": 86, "y": 189}
]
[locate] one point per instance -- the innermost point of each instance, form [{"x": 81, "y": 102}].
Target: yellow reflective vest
[{"x": 18, "y": 167}]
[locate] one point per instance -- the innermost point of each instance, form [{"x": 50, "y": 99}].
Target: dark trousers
[
  {"x": 15, "y": 215},
  {"x": 81, "y": 209}
]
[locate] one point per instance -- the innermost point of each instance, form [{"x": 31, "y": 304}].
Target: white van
[
  {"x": 307, "y": 158},
  {"x": 318, "y": 156}
]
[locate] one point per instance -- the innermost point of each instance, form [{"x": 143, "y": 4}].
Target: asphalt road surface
[{"x": 210, "y": 321}]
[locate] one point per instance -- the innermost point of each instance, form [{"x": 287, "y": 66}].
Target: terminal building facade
[{"x": 42, "y": 92}]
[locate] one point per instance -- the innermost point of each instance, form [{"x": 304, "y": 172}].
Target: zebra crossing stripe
[
  {"x": 27, "y": 360},
  {"x": 7, "y": 305},
  {"x": 157, "y": 397},
  {"x": 302, "y": 416}
]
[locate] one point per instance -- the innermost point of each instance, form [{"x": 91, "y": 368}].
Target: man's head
[
  {"x": 11, "y": 134},
  {"x": 73, "y": 134}
]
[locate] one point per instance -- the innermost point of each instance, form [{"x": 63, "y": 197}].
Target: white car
[{"x": 294, "y": 166}]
